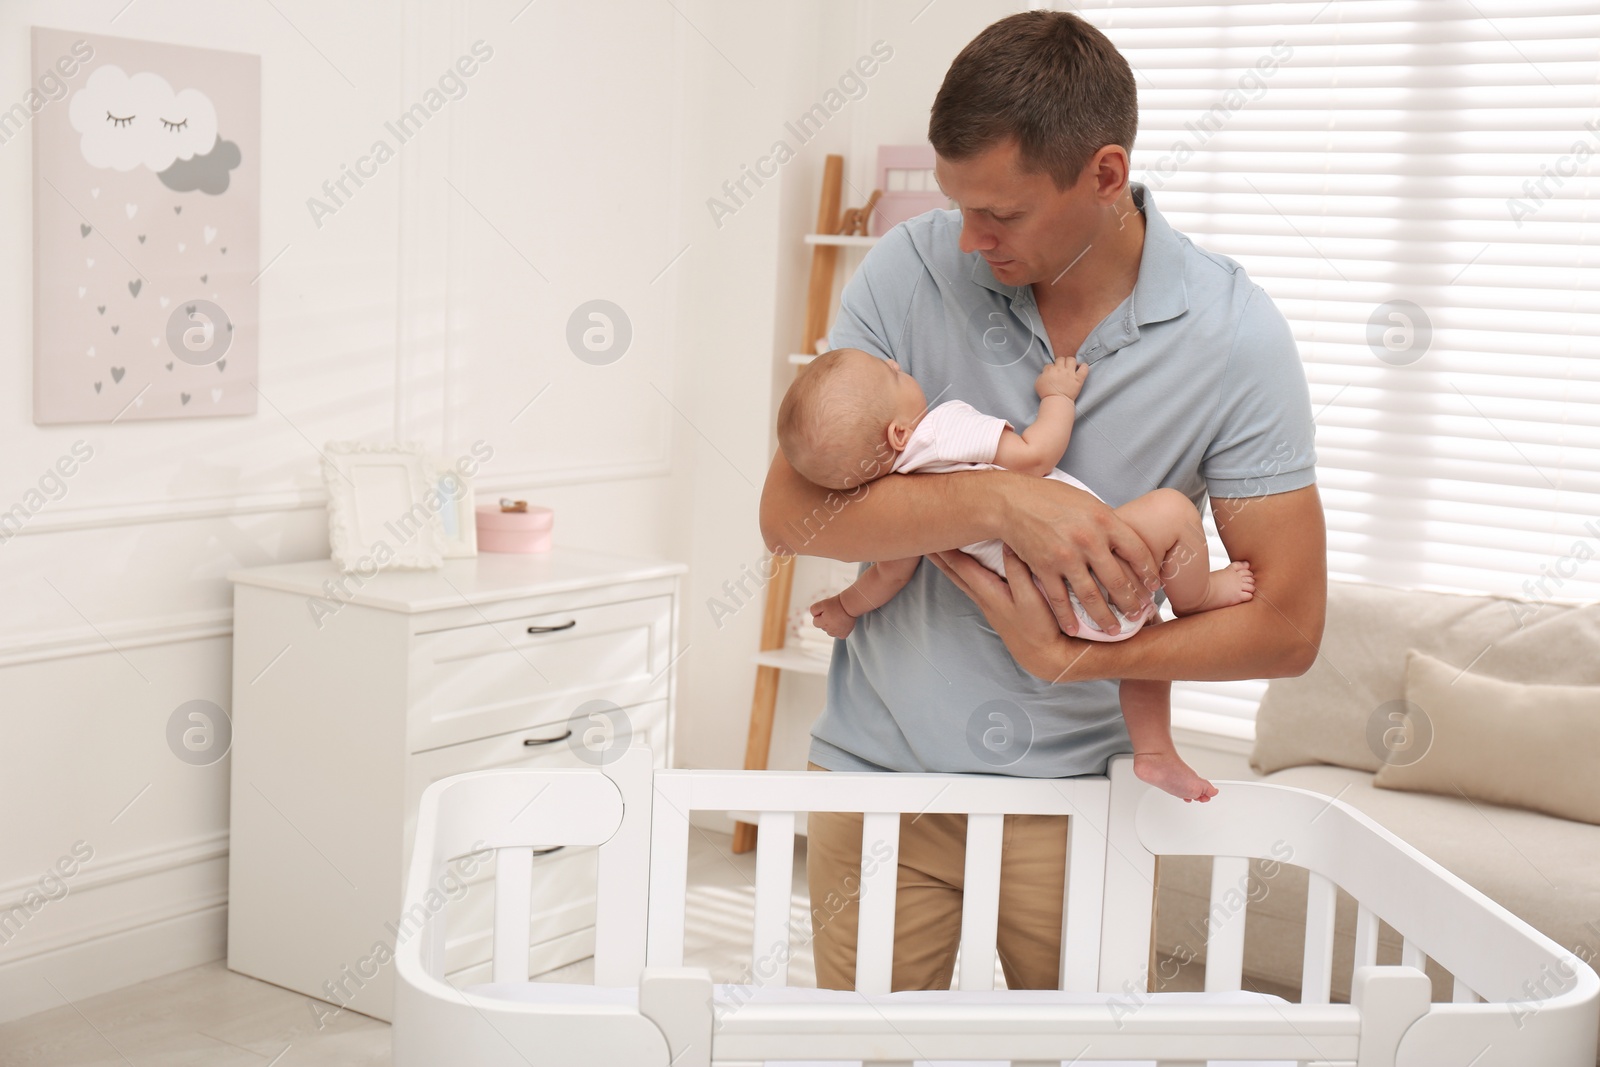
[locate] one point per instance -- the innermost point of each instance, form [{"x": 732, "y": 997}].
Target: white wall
[
  {"x": 581, "y": 160},
  {"x": 413, "y": 310},
  {"x": 746, "y": 303},
  {"x": 117, "y": 611}
]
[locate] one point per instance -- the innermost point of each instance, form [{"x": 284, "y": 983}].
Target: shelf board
[
  {"x": 845, "y": 240},
  {"x": 790, "y": 659}
]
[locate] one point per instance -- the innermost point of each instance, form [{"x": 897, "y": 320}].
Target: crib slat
[
  {"x": 433, "y": 942},
  {"x": 1366, "y": 937},
  {"x": 1081, "y": 912},
  {"x": 1411, "y": 955},
  {"x": 980, "y": 901},
  {"x": 1129, "y": 899},
  {"x": 1462, "y": 993},
  {"x": 622, "y": 892},
  {"x": 1225, "y": 925},
  {"x": 880, "y": 870},
  {"x": 513, "y": 889},
  {"x": 1316, "y": 977},
  {"x": 769, "y": 949},
  {"x": 669, "y": 870}
]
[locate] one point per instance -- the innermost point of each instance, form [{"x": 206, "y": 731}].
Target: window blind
[{"x": 1414, "y": 184}]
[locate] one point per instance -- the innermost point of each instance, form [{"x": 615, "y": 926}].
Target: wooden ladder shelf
[{"x": 819, "y": 298}]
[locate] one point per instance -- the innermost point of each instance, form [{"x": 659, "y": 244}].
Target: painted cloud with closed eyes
[{"x": 139, "y": 121}]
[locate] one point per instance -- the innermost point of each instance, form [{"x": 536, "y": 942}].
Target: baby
[{"x": 849, "y": 412}]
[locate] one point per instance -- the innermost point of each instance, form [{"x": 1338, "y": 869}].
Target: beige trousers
[{"x": 927, "y": 917}]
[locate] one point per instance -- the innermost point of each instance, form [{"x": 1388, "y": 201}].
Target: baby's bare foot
[
  {"x": 1165, "y": 770},
  {"x": 1233, "y": 584}
]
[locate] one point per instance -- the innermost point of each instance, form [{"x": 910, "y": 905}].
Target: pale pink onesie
[{"x": 955, "y": 436}]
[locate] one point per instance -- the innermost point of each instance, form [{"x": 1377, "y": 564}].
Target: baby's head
[{"x": 846, "y": 417}]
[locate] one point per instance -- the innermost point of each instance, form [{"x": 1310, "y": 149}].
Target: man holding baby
[{"x": 1194, "y": 384}]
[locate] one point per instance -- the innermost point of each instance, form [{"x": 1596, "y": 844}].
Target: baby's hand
[
  {"x": 1064, "y": 377},
  {"x": 831, "y": 618}
]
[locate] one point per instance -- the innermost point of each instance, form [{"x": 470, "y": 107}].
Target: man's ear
[{"x": 1111, "y": 173}]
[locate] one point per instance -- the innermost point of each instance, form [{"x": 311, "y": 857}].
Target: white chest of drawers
[{"x": 352, "y": 695}]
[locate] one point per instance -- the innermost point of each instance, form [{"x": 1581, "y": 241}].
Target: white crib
[{"x": 1519, "y": 999}]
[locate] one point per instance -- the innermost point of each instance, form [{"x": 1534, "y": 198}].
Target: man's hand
[
  {"x": 832, "y": 619},
  {"x": 1067, "y": 537},
  {"x": 1063, "y": 377},
  {"x": 1275, "y": 634},
  {"x": 1016, "y": 609},
  {"x": 1063, "y": 533},
  {"x": 1020, "y": 615}
]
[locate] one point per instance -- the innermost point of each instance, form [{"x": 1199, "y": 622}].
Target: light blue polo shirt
[{"x": 1195, "y": 383}]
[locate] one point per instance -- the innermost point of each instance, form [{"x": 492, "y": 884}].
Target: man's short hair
[{"x": 1050, "y": 80}]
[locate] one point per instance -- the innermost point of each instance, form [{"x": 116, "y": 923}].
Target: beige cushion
[
  {"x": 1524, "y": 746},
  {"x": 1324, "y": 715}
]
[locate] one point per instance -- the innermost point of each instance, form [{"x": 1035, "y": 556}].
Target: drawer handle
[
  {"x": 533, "y": 742},
  {"x": 553, "y": 629},
  {"x": 547, "y": 851}
]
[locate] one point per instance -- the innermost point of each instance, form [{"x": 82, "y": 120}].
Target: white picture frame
[
  {"x": 379, "y": 513},
  {"x": 458, "y": 517}
]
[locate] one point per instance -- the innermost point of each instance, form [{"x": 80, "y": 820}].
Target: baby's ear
[{"x": 898, "y": 434}]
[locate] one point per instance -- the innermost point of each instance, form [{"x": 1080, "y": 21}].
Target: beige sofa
[{"x": 1331, "y": 731}]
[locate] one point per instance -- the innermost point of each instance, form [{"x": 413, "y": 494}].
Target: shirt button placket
[{"x": 1023, "y": 296}]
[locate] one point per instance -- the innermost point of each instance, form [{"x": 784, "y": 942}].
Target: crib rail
[
  {"x": 516, "y": 813},
  {"x": 1518, "y": 996},
  {"x": 889, "y": 1032},
  {"x": 1538, "y": 1004},
  {"x": 776, "y": 797}
]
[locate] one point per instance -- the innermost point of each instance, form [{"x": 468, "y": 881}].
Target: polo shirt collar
[{"x": 1159, "y": 293}]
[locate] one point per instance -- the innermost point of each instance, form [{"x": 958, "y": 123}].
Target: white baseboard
[
  {"x": 119, "y": 959},
  {"x": 125, "y": 920}
]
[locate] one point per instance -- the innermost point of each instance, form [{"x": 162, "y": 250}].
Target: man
[{"x": 1194, "y": 383}]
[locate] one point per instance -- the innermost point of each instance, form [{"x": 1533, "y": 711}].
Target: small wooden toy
[{"x": 855, "y": 220}]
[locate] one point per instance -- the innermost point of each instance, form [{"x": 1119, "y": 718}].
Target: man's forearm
[
  {"x": 894, "y": 517},
  {"x": 1275, "y": 634},
  {"x": 1258, "y": 639}
]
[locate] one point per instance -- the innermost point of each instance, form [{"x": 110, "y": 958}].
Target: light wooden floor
[{"x": 213, "y": 1017}]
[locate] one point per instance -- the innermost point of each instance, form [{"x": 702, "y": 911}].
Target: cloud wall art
[{"x": 147, "y": 206}]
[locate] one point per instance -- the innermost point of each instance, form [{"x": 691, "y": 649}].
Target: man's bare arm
[
  {"x": 1275, "y": 634},
  {"x": 1061, "y": 531},
  {"x": 895, "y": 517}
]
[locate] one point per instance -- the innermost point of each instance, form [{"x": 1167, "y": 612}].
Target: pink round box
[{"x": 514, "y": 531}]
